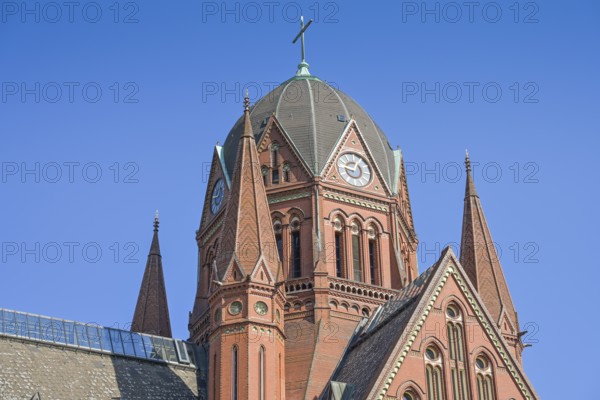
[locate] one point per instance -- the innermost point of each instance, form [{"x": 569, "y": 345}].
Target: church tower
[
  {"x": 481, "y": 263},
  {"x": 246, "y": 297},
  {"x": 341, "y": 240},
  {"x": 152, "y": 311}
]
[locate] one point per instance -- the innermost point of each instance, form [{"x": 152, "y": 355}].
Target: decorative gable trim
[
  {"x": 338, "y": 148},
  {"x": 482, "y": 315}
]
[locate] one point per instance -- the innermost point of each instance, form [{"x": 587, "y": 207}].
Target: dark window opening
[
  {"x": 338, "y": 255},
  {"x": 234, "y": 374},
  {"x": 296, "y": 265},
  {"x": 373, "y": 261},
  {"x": 279, "y": 243}
]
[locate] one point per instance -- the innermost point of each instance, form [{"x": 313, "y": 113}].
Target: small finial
[
  {"x": 467, "y": 161},
  {"x": 246, "y": 101},
  {"x": 156, "y": 221}
]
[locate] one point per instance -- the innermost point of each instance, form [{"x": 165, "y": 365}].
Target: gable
[
  {"x": 216, "y": 173},
  {"x": 406, "y": 367},
  {"x": 288, "y": 155},
  {"x": 352, "y": 144}
]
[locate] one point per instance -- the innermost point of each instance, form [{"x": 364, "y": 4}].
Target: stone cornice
[{"x": 274, "y": 199}]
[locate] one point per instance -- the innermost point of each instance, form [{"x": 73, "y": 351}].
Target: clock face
[
  {"x": 217, "y": 196},
  {"x": 354, "y": 169},
  {"x": 261, "y": 307}
]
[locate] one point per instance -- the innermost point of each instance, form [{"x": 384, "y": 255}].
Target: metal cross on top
[{"x": 303, "y": 66}]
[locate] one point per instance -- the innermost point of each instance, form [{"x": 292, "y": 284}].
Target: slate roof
[
  {"x": 371, "y": 347},
  {"x": 308, "y": 109}
]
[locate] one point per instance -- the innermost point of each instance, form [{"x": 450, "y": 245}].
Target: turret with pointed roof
[
  {"x": 152, "y": 312},
  {"x": 479, "y": 258},
  {"x": 247, "y": 237},
  {"x": 246, "y": 298}
]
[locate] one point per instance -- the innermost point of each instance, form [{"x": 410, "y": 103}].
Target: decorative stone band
[
  {"x": 293, "y": 196},
  {"x": 356, "y": 202},
  {"x": 497, "y": 342}
]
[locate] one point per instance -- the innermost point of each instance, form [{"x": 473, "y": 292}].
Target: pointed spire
[
  {"x": 154, "y": 247},
  {"x": 152, "y": 311},
  {"x": 247, "y": 235},
  {"x": 247, "y": 122},
  {"x": 479, "y": 258},
  {"x": 470, "y": 189}
]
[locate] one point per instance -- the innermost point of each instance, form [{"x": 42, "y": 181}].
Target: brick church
[{"x": 308, "y": 286}]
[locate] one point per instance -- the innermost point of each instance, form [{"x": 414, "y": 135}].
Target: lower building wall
[{"x": 62, "y": 373}]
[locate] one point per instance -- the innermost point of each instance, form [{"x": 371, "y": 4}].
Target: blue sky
[{"x": 114, "y": 108}]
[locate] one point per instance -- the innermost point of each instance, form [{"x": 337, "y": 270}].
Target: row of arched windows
[
  {"x": 294, "y": 241},
  {"x": 434, "y": 366},
  {"x": 356, "y": 251}
]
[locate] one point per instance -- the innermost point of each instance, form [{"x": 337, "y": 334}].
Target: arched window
[
  {"x": 410, "y": 395},
  {"x": 214, "y": 369},
  {"x": 261, "y": 373},
  {"x": 373, "y": 254},
  {"x": 277, "y": 228},
  {"x": 485, "y": 378},
  {"x": 338, "y": 227},
  {"x": 356, "y": 253},
  {"x": 234, "y": 373},
  {"x": 456, "y": 343},
  {"x": 296, "y": 250},
  {"x": 434, "y": 369},
  {"x": 279, "y": 378}
]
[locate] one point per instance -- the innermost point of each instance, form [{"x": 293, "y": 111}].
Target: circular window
[
  {"x": 235, "y": 308},
  {"x": 481, "y": 363},
  {"x": 218, "y": 315},
  {"x": 295, "y": 224},
  {"x": 337, "y": 224},
  {"x": 431, "y": 354},
  {"x": 452, "y": 311},
  {"x": 261, "y": 307},
  {"x": 371, "y": 232}
]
